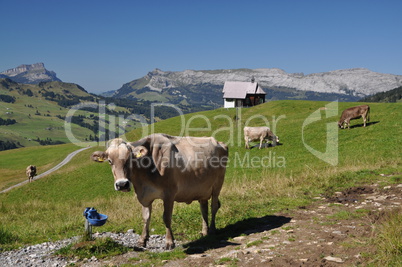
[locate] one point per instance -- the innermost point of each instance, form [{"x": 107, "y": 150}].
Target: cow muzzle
[{"x": 122, "y": 185}]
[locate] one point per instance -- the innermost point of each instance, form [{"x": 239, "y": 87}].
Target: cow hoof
[{"x": 142, "y": 244}]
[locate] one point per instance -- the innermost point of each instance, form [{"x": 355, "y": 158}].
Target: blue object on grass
[{"x": 95, "y": 218}]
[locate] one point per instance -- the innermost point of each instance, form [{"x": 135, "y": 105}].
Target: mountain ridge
[
  {"x": 203, "y": 88},
  {"x": 357, "y": 82},
  {"x": 30, "y": 74}
]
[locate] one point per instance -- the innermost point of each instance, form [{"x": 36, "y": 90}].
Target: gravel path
[{"x": 42, "y": 254}]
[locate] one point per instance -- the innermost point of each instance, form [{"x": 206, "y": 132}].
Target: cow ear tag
[
  {"x": 139, "y": 152},
  {"x": 102, "y": 158}
]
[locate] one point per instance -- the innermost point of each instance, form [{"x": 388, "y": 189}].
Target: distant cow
[
  {"x": 354, "y": 113},
  {"x": 159, "y": 166},
  {"x": 259, "y": 133},
  {"x": 31, "y": 172}
]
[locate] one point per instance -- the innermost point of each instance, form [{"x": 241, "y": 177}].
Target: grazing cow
[
  {"x": 259, "y": 133},
  {"x": 31, "y": 172},
  {"x": 354, "y": 113},
  {"x": 159, "y": 166}
]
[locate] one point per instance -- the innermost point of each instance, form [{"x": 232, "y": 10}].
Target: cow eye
[{"x": 110, "y": 162}]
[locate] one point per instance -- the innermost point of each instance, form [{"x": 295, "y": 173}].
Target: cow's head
[
  {"x": 274, "y": 139},
  {"x": 340, "y": 124},
  {"x": 120, "y": 155},
  {"x": 123, "y": 157}
]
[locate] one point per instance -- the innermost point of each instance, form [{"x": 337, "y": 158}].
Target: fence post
[{"x": 88, "y": 230}]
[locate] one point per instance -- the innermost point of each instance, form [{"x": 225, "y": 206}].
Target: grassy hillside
[
  {"x": 38, "y": 113},
  {"x": 14, "y": 162},
  {"x": 258, "y": 182},
  {"x": 35, "y": 115}
]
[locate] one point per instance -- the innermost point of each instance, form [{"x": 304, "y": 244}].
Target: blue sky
[{"x": 101, "y": 45}]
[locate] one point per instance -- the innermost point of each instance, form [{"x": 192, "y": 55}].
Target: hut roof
[{"x": 239, "y": 90}]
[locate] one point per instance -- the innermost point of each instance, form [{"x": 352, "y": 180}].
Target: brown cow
[
  {"x": 352, "y": 113},
  {"x": 259, "y": 133},
  {"x": 31, "y": 172},
  {"x": 159, "y": 166}
]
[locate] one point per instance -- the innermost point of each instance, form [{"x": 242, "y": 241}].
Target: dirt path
[
  {"x": 55, "y": 168},
  {"x": 334, "y": 231}
]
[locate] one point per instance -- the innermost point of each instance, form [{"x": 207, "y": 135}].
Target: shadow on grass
[
  {"x": 244, "y": 227},
  {"x": 265, "y": 145},
  {"x": 361, "y": 124}
]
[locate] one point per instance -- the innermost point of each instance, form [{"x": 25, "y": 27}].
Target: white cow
[{"x": 259, "y": 133}]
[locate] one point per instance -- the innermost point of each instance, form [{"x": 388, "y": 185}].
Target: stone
[
  {"x": 239, "y": 238},
  {"x": 334, "y": 259}
]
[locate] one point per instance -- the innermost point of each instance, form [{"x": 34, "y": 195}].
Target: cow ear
[
  {"x": 99, "y": 156},
  {"x": 161, "y": 148},
  {"x": 139, "y": 151}
]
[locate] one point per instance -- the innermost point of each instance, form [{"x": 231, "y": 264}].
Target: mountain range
[
  {"x": 34, "y": 103},
  {"x": 202, "y": 89},
  {"x": 191, "y": 86}
]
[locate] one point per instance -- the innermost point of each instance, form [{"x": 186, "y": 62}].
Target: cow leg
[
  {"x": 146, "y": 216},
  {"x": 204, "y": 213},
  {"x": 167, "y": 219},
  {"x": 215, "y": 205},
  {"x": 246, "y": 141},
  {"x": 364, "y": 120},
  {"x": 261, "y": 139}
]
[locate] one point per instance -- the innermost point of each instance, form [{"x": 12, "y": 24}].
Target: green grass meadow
[
  {"x": 258, "y": 183},
  {"x": 14, "y": 162}
]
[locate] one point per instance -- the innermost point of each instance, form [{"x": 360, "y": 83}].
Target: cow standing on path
[
  {"x": 259, "y": 133},
  {"x": 159, "y": 166},
  {"x": 352, "y": 113},
  {"x": 31, "y": 172}
]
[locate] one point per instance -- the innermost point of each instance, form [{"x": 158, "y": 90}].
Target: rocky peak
[
  {"x": 23, "y": 68},
  {"x": 155, "y": 72},
  {"x": 30, "y": 73}
]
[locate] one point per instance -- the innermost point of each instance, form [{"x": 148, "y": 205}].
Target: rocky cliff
[
  {"x": 31, "y": 74},
  {"x": 357, "y": 82}
]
